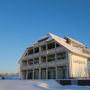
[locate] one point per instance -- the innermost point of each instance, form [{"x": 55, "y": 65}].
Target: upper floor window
[
  {"x": 43, "y": 47},
  {"x": 31, "y": 61},
  {"x": 30, "y": 51},
  {"x": 61, "y": 55},
  {"x": 51, "y": 58},
  {"x": 36, "y": 49},
  {"x": 24, "y": 62},
  {"x": 36, "y": 61},
  {"x": 57, "y": 45},
  {"x": 43, "y": 59},
  {"x": 51, "y": 45}
]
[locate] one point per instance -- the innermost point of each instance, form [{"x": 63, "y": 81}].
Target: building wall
[
  {"x": 78, "y": 65},
  {"x": 88, "y": 64}
]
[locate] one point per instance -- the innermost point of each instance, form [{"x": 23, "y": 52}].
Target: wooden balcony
[
  {"x": 51, "y": 51},
  {"x": 43, "y": 65},
  {"x": 51, "y": 64},
  {"x": 24, "y": 67},
  {"x": 61, "y": 62}
]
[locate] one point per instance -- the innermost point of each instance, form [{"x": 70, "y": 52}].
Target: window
[
  {"x": 36, "y": 74},
  {"x": 37, "y": 50},
  {"x": 51, "y": 58},
  {"x": 51, "y": 45},
  {"x": 43, "y": 73},
  {"x": 30, "y": 51},
  {"x": 61, "y": 55},
  {"x": 31, "y": 61},
  {"x": 57, "y": 45},
  {"x": 24, "y": 62},
  {"x": 43, "y": 48},
  {"x": 36, "y": 61},
  {"x": 51, "y": 73},
  {"x": 43, "y": 59}
]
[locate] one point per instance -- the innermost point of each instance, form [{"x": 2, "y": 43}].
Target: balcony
[
  {"x": 30, "y": 61},
  {"x": 43, "y": 59},
  {"x": 36, "y": 66},
  {"x": 61, "y": 55},
  {"x": 58, "y": 49},
  {"x": 36, "y": 55},
  {"x": 51, "y": 51},
  {"x": 43, "y": 65},
  {"x": 30, "y": 53},
  {"x": 25, "y": 58},
  {"x": 51, "y": 64},
  {"x": 31, "y": 67},
  {"x": 30, "y": 56},
  {"x": 51, "y": 58},
  {"x": 62, "y": 62},
  {"x": 24, "y": 67},
  {"x": 36, "y": 60},
  {"x": 43, "y": 53}
]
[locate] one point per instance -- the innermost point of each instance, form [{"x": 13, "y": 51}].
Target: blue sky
[{"x": 24, "y": 21}]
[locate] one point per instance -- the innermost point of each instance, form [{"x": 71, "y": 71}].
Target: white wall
[{"x": 78, "y": 65}]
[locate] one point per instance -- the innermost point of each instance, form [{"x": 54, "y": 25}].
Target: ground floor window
[
  {"x": 61, "y": 72},
  {"x": 43, "y": 74},
  {"x": 51, "y": 73},
  {"x": 30, "y": 74},
  {"x": 36, "y": 74}
]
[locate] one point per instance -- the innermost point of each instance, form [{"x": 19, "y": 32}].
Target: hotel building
[{"x": 52, "y": 57}]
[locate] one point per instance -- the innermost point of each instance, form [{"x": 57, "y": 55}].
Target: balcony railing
[
  {"x": 24, "y": 67},
  {"x": 51, "y": 64},
  {"x": 62, "y": 62}
]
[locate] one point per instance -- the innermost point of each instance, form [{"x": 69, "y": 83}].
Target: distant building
[{"x": 52, "y": 57}]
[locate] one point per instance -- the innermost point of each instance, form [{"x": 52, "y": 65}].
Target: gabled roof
[{"x": 67, "y": 46}]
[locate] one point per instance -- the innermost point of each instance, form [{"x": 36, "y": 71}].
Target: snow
[
  {"x": 12, "y": 78},
  {"x": 37, "y": 85}
]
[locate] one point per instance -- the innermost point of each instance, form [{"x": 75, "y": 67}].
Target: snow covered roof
[
  {"x": 68, "y": 46},
  {"x": 72, "y": 40}
]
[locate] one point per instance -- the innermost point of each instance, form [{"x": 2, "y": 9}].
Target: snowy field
[{"x": 37, "y": 85}]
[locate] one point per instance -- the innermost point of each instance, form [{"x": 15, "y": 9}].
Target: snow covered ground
[{"x": 37, "y": 85}]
